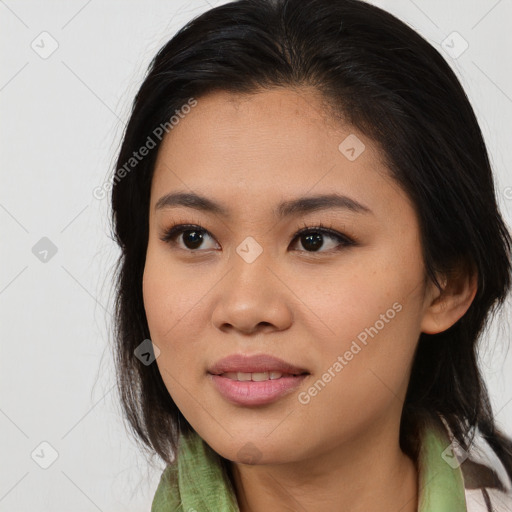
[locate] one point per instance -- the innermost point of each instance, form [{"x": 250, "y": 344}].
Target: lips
[
  {"x": 256, "y": 380},
  {"x": 256, "y": 367}
]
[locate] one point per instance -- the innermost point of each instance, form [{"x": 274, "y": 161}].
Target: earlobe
[{"x": 444, "y": 308}]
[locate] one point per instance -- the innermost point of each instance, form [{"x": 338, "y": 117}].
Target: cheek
[
  {"x": 170, "y": 295},
  {"x": 350, "y": 299},
  {"x": 158, "y": 300},
  {"x": 173, "y": 304},
  {"x": 167, "y": 304},
  {"x": 369, "y": 315},
  {"x": 362, "y": 369}
]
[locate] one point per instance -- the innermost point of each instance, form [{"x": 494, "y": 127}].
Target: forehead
[{"x": 274, "y": 143}]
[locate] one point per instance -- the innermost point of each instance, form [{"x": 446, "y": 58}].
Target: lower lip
[{"x": 256, "y": 393}]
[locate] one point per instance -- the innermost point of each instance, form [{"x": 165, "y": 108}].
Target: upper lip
[{"x": 254, "y": 364}]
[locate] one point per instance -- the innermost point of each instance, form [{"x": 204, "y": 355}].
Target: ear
[{"x": 443, "y": 309}]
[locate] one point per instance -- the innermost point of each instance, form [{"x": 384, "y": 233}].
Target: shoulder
[
  {"x": 487, "y": 486},
  {"x": 485, "y": 490}
]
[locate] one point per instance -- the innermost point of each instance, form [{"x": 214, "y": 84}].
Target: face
[{"x": 342, "y": 301}]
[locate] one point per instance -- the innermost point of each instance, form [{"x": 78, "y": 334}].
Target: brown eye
[
  {"x": 312, "y": 239},
  {"x": 191, "y": 236},
  {"x": 192, "y": 239}
]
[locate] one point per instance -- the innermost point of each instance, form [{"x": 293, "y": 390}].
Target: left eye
[{"x": 312, "y": 238}]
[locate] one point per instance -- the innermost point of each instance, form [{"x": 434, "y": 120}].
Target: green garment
[{"x": 197, "y": 483}]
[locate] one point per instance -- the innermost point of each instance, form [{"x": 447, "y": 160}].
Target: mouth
[
  {"x": 255, "y": 380},
  {"x": 258, "y": 376}
]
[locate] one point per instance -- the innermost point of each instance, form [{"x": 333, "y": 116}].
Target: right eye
[{"x": 192, "y": 236}]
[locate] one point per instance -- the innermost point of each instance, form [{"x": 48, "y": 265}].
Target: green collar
[{"x": 198, "y": 483}]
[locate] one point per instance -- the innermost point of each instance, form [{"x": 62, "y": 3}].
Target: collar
[{"x": 197, "y": 480}]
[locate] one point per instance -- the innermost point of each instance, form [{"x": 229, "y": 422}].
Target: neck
[{"x": 367, "y": 472}]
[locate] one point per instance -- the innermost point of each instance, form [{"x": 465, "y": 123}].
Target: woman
[{"x": 311, "y": 248}]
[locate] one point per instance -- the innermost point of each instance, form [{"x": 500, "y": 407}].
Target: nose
[{"x": 252, "y": 297}]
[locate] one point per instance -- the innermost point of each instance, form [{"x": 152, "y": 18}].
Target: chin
[{"x": 252, "y": 450}]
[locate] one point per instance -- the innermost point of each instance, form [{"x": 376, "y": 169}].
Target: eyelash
[{"x": 171, "y": 233}]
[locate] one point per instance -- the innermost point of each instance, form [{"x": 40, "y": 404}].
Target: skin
[{"x": 340, "y": 451}]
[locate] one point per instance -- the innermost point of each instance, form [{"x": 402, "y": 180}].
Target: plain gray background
[{"x": 62, "y": 116}]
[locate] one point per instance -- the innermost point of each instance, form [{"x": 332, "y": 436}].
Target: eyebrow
[{"x": 288, "y": 208}]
